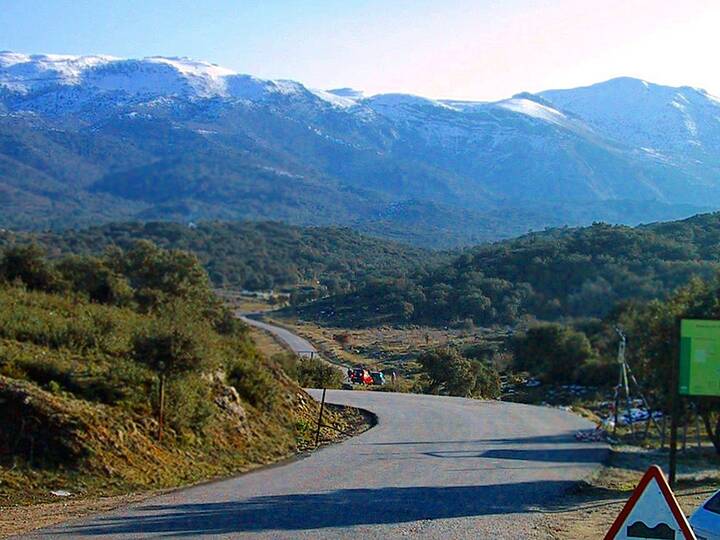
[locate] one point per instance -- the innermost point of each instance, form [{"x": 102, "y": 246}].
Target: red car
[{"x": 361, "y": 376}]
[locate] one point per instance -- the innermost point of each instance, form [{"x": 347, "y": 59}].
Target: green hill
[
  {"x": 560, "y": 273},
  {"x": 256, "y": 255},
  {"x": 87, "y": 346}
]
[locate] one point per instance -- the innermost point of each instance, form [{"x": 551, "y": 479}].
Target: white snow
[
  {"x": 333, "y": 99},
  {"x": 195, "y": 68},
  {"x": 534, "y": 109},
  {"x": 154, "y": 75}
]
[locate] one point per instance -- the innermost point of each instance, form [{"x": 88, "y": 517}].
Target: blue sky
[{"x": 462, "y": 49}]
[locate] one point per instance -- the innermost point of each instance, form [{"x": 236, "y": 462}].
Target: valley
[{"x": 192, "y": 257}]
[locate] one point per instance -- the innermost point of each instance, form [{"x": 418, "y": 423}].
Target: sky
[{"x": 459, "y": 49}]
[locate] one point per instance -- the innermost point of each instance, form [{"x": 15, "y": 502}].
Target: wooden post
[
  {"x": 697, "y": 425},
  {"x": 322, "y": 406},
  {"x": 161, "y": 412},
  {"x": 663, "y": 433}
]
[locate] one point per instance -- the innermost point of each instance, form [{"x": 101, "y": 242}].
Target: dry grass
[
  {"x": 384, "y": 347},
  {"x": 588, "y": 512}
]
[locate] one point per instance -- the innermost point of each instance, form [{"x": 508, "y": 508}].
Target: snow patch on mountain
[
  {"x": 151, "y": 76},
  {"x": 667, "y": 119},
  {"x": 535, "y": 110},
  {"x": 342, "y": 102},
  {"x": 347, "y": 93}
]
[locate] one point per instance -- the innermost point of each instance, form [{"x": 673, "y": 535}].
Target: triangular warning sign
[{"x": 651, "y": 512}]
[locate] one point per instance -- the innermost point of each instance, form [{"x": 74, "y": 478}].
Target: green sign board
[{"x": 699, "y": 357}]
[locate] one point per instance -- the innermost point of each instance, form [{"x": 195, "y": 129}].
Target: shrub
[
  {"x": 27, "y": 264},
  {"x": 553, "y": 351},
  {"x": 175, "y": 345},
  {"x": 487, "y": 380},
  {"x": 314, "y": 373},
  {"x": 253, "y": 383},
  {"x": 93, "y": 278}
]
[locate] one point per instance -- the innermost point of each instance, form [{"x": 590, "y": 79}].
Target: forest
[
  {"x": 253, "y": 255},
  {"x": 555, "y": 275}
]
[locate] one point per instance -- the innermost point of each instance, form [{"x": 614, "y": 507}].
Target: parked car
[
  {"x": 378, "y": 378},
  {"x": 361, "y": 376},
  {"x": 705, "y": 521}
]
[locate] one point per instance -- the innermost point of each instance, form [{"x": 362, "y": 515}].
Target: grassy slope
[{"x": 76, "y": 414}]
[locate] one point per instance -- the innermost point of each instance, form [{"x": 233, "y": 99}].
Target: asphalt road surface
[
  {"x": 300, "y": 346},
  {"x": 433, "y": 467}
]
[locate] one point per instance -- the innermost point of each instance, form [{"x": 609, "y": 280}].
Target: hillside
[
  {"x": 88, "y": 140},
  {"x": 255, "y": 255},
  {"x": 556, "y": 274},
  {"x": 87, "y": 346}
]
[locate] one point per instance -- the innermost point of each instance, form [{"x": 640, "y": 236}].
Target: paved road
[
  {"x": 433, "y": 467},
  {"x": 300, "y": 346}
]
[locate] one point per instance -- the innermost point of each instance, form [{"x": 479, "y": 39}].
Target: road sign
[
  {"x": 699, "y": 357},
  {"x": 652, "y": 512}
]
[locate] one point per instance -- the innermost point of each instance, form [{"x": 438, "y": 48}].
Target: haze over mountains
[{"x": 95, "y": 138}]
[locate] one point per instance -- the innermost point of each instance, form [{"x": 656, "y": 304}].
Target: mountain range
[{"x": 92, "y": 139}]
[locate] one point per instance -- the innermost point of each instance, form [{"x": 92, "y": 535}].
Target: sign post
[
  {"x": 651, "y": 512},
  {"x": 696, "y": 371}
]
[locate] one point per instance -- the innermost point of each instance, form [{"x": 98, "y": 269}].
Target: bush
[
  {"x": 487, "y": 381},
  {"x": 193, "y": 406},
  {"x": 27, "y": 265},
  {"x": 92, "y": 277},
  {"x": 552, "y": 351},
  {"x": 314, "y": 373},
  {"x": 597, "y": 372},
  {"x": 254, "y": 383},
  {"x": 448, "y": 372}
]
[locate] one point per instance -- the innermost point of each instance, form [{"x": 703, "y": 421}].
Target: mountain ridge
[{"x": 180, "y": 139}]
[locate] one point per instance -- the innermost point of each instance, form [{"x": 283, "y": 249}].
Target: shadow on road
[
  {"x": 341, "y": 508},
  {"x": 568, "y": 437},
  {"x": 569, "y": 455}
]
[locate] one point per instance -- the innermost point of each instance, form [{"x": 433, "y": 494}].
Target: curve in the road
[
  {"x": 433, "y": 467},
  {"x": 298, "y": 345}
]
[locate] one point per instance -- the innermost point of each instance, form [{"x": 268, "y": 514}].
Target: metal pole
[
  {"x": 322, "y": 406},
  {"x": 621, "y": 364},
  {"x": 642, "y": 396},
  {"x": 674, "y": 407},
  {"x": 628, "y": 399}
]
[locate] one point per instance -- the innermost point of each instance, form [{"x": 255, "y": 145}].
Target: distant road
[
  {"x": 300, "y": 346},
  {"x": 433, "y": 467}
]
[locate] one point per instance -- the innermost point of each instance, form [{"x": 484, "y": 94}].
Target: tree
[
  {"x": 93, "y": 277},
  {"x": 448, "y": 372},
  {"x": 158, "y": 275},
  {"x": 552, "y": 350},
  {"x": 653, "y": 337},
  {"x": 175, "y": 344},
  {"x": 314, "y": 373},
  {"x": 27, "y": 264}
]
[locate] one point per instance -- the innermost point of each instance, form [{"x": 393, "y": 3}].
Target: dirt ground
[
  {"x": 19, "y": 519},
  {"x": 588, "y": 512},
  {"x": 386, "y": 346}
]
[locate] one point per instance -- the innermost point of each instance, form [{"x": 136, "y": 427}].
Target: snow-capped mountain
[
  {"x": 86, "y": 138},
  {"x": 679, "y": 124}
]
